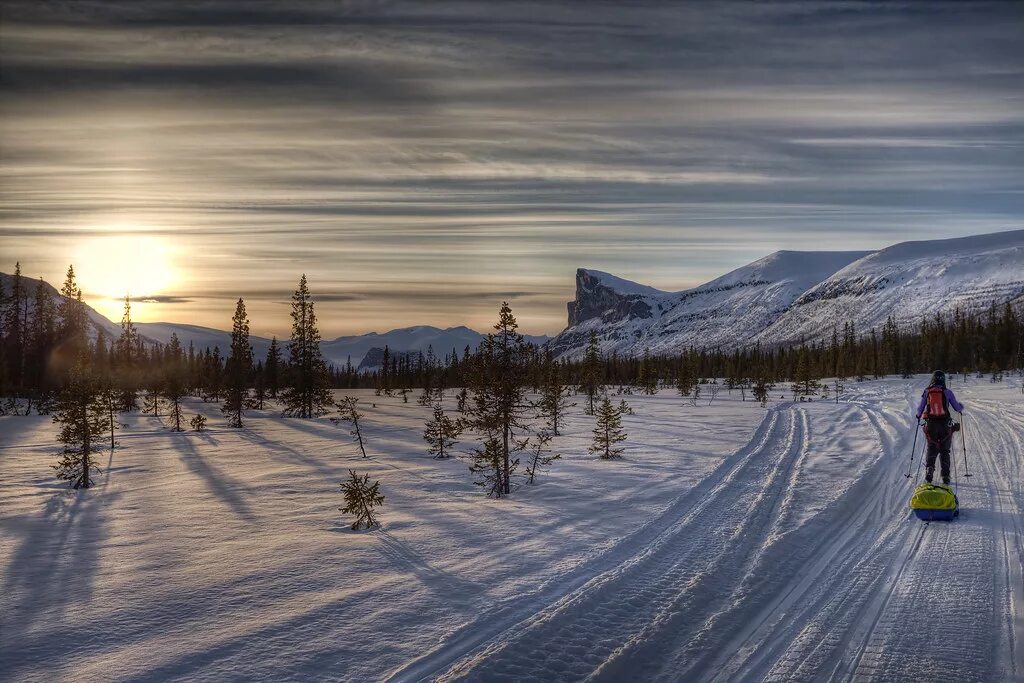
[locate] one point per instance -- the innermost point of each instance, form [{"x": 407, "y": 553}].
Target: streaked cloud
[{"x": 422, "y": 161}]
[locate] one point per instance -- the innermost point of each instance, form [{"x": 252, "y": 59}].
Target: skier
[{"x": 938, "y": 426}]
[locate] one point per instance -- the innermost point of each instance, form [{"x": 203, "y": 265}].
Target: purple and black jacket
[{"x": 950, "y": 399}]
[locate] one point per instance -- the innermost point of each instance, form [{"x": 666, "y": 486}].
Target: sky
[{"x": 421, "y": 162}]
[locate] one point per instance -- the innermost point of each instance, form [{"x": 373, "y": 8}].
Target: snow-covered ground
[{"x": 731, "y": 543}]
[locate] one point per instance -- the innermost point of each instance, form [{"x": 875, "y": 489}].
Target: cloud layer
[{"x": 422, "y": 161}]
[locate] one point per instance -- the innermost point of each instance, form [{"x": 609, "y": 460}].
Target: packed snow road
[
  {"x": 731, "y": 543},
  {"x": 738, "y": 587}
]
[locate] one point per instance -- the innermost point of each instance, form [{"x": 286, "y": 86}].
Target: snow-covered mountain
[
  {"x": 405, "y": 340},
  {"x": 418, "y": 338},
  {"x": 791, "y": 296},
  {"x": 97, "y": 321},
  {"x": 909, "y": 281},
  {"x": 200, "y": 337}
]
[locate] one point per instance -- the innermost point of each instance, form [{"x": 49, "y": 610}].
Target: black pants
[{"x": 939, "y": 434}]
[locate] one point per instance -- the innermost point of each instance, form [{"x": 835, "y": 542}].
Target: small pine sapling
[
  {"x": 608, "y": 432},
  {"x": 441, "y": 433},
  {"x": 540, "y": 456},
  {"x": 488, "y": 462},
  {"x": 198, "y": 422},
  {"x": 349, "y": 412},
  {"x": 361, "y": 497},
  {"x": 760, "y": 392}
]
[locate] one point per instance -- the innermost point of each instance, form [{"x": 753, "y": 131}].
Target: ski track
[{"x": 721, "y": 588}]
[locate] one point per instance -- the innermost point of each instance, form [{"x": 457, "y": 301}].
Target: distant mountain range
[
  {"x": 337, "y": 351},
  {"x": 784, "y": 298},
  {"x": 793, "y": 296}
]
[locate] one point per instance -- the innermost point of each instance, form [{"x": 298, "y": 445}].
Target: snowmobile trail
[
  {"x": 502, "y": 622},
  {"x": 740, "y": 581}
]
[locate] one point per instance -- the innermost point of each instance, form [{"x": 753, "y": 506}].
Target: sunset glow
[{"x": 138, "y": 265}]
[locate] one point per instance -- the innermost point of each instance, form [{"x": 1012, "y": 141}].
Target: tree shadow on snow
[
  {"x": 54, "y": 568},
  {"x": 221, "y": 485},
  {"x": 444, "y": 584},
  {"x": 278, "y": 448}
]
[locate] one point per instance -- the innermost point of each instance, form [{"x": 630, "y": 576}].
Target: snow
[
  {"x": 414, "y": 339},
  {"x": 791, "y": 296},
  {"x": 623, "y": 286},
  {"x": 200, "y": 337},
  {"x": 910, "y": 281},
  {"x": 731, "y": 543},
  {"x": 803, "y": 268}
]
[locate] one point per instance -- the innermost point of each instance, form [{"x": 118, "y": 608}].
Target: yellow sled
[{"x": 935, "y": 502}]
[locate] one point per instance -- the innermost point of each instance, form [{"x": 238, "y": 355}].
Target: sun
[{"x": 110, "y": 267}]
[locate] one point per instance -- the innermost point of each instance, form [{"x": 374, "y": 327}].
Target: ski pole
[
  {"x": 913, "y": 449},
  {"x": 963, "y": 443},
  {"x": 920, "y": 461}
]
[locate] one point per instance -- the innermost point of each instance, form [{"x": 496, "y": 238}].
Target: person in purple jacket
[{"x": 936, "y": 401}]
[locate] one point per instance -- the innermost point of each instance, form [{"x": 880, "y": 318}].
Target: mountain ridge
[{"x": 791, "y": 296}]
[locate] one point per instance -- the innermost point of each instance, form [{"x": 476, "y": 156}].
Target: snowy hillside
[
  {"x": 200, "y": 337},
  {"x": 790, "y": 296},
  {"x": 733, "y": 307},
  {"x": 417, "y": 338},
  {"x": 406, "y": 339},
  {"x": 731, "y": 543},
  {"x": 909, "y": 281},
  {"x": 98, "y": 322}
]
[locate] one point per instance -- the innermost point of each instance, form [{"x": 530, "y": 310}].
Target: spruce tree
[
  {"x": 592, "y": 379},
  {"x": 487, "y": 461},
  {"x": 5, "y": 389},
  {"x": 174, "y": 381},
  {"x": 238, "y": 369},
  {"x": 385, "y": 368},
  {"x": 761, "y": 389},
  {"x": 80, "y": 414},
  {"x": 498, "y": 409},
  {"x": 272, "y": 368},
  {"x": 440, "y": 434},
  {"x": 126, "y": 360},
  {"x": 685, "y": 380},
  {"x": 198, "y": 422},
  {"x": 554, "y": 398},
  {"x": 309, "y": 393},
  {"x": 608, "y": 432},
  {"x": 805, "y": 382},
  {"x": 15, "y": 332},
  {"x": 647, "y": 379},
  {"x": 259, "y": 386},
  {"x": 73, "y": 318},
  {"x": 361, "y": 497}
]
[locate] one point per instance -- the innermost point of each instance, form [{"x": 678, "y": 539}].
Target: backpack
[{"x": 935, "y": 404}]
